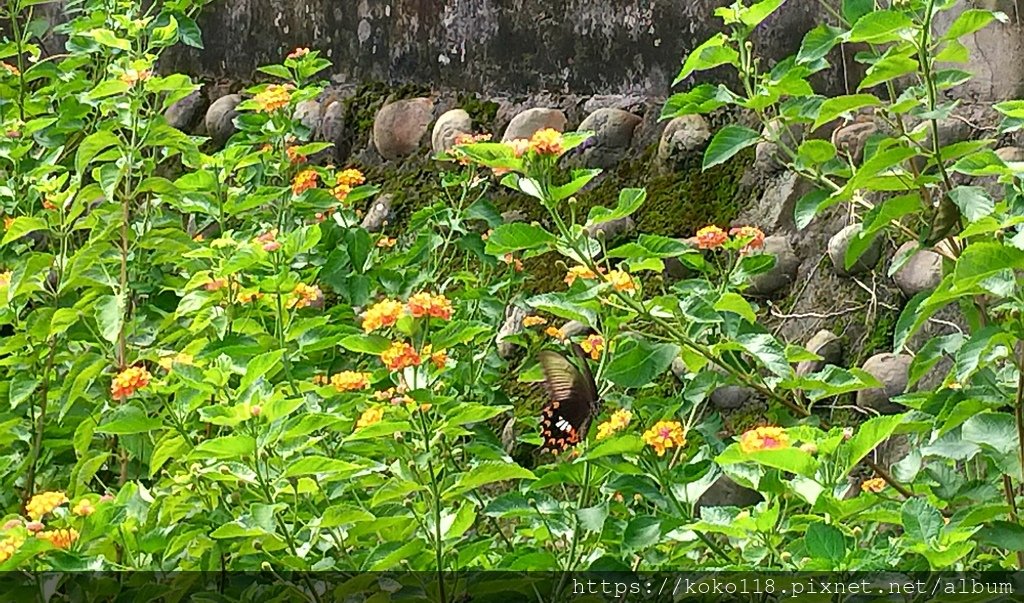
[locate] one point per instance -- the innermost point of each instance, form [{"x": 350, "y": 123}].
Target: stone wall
[{"x": 511, "y": 46}]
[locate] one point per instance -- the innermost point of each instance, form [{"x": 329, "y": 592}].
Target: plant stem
[
  {"x": 1011, "y": 500},
  {"x": 40, "y": 427},
  {"x": 1018, "y": 408}
]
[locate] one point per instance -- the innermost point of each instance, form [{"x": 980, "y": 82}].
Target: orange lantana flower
[
  {"x": 875, "y": 484},
  {"x": 764, "y": 438},
  {"x": 273, "y": 97},
  {"x": 294, "y": 156},
  {"x": 128, "y": 381},
  {"x": 349, "y": 381},
  {"x": 751, "y": 233},
  {"x": 556, "y": 333},
  {"x": 382, "y": 314},
  {"x": 435, "y": 306},
  {"x": 619, "y": 420},
  {"x": 593, "y": 345},
  {"x": 369, "y": 417},
  {"x": 400, "y": 356},
  {"x": 62, "y": 539},
  {"x": 578, "y": 272},
  {"x": 547, "y": 142},
  {"x": 304, "y": 296},
  {"x": 533, "y": 321},
  {"x": 621, "y": 281},
  {"x": 711, "y": 237},
  {"x": 44, "y": 503},
  {"x": 665, "y": 435},
  {"x": 304, "y": 181},
  {"x": 350, "y": 177}
]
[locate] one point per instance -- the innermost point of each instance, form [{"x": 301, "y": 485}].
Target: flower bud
[
  {"x": 255, "y": 410},
  {"x": 34, "y": 526},
  {"x": 809, "y": 447}
]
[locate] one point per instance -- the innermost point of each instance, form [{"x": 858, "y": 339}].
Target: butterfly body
[{"x": 573, "y": 401}]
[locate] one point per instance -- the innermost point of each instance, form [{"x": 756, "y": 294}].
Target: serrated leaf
[
  {"x": 510, "y": 238},
  {"x": 727, "y": 142},
  {"x": 486, "y": 473},
  {"x": 638, "y": 362}
]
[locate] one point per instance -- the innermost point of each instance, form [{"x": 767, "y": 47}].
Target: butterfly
[{"x": 573, "y": 401}]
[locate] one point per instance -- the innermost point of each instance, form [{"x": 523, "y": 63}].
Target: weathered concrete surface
[{"x": 516, "y": 46}]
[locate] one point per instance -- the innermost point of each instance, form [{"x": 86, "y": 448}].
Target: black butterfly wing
[{"x": 572, "y": 403}]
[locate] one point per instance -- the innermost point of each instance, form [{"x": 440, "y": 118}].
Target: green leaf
[
  {"x": 886, "y": 69},
  {"x": 22, "y": 226},
  {"x": 630, "y": 200},
  {"x": 257, "y": 367},
  {"x": 881, "y": 27},
  {"x": 766, "y": 350},
  {"x": 580, "y": 178},
  {"x": 365, "y": 344},
  {"x": 825, "y": 542},
  {"x": 842, "y": 105},
  {"x": 170, "y": 446},
  {"x": 279, "y": 71},
  {"x": 1002, "y": 534},
  {"x": 869, "y": 435},
  {"x": 638, "y": 362},
  {"x": 324, "y": 468},
  {"x": 110, "y": 316},
  {"x": 463, "y": 520},
  {"x": 22, "y": 386},
  {"x": 708, "y": 55},
  {"x": 109, "y": 38},
  {"x": 474, "y": 412},
  {"x": 818, "y": 43},
  {"x": 969, "y": 21},
  {"x": 91, "y": 146},
  {"x": 974, "y": 202},
  {"x": 808, "y": 207},
  {"x": 813, "y": 152},
  {"x": 755, "y": 14},
  {"x": 983, "y": 260},
  {"x": 642, "y": 532},
  {"x": 737, "y": 304},
  {"x": 853, "y": 10},
  {"x": 655, "y": 246},
  {"x": 127, "y": 420},
  {"x": 226, "y": 447},
  {"x": 565, "y": 306},
  {"x": 993, "y": 431},
  {"x": 789, "y": 459},
  {"x": 592, "y": 518},
  {"x": 727, "y": 142},
  {"x": 617, "y": 445},
  {"x": 921, "y": 521},
  {"x": 910, "y": 319},
  {"x": 85, "y": 470},
  {"x": 509, "y": 238},
  {"x": 486, "y": 473}
]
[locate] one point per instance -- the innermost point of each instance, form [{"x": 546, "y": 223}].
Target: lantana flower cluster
[
  {"x": 711, "y": 237},
  {"x": 38, "y": 509}
]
